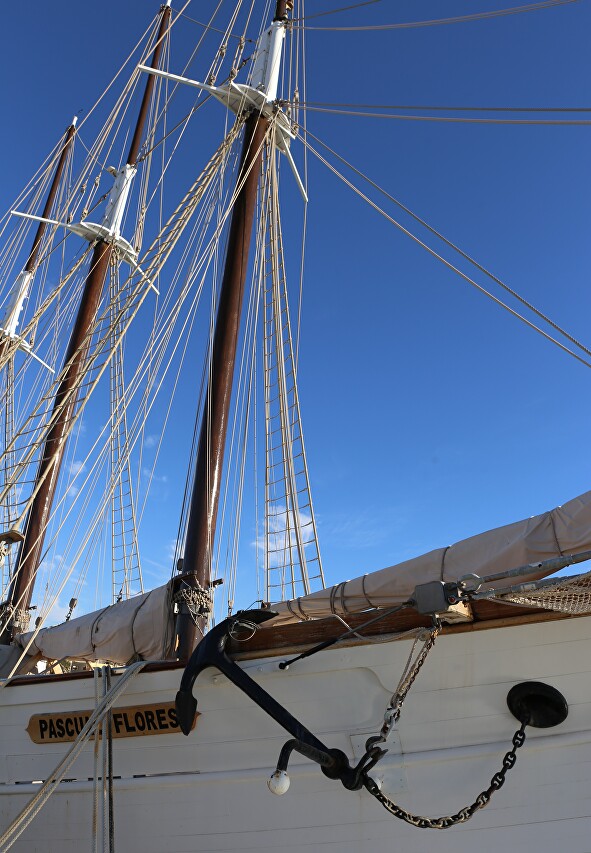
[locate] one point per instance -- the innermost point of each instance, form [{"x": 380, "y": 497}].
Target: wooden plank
[
  {"x": 487, "y": 614},
  {"x": 284, "y": 639}
]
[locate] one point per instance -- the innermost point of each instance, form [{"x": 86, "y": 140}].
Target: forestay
[
  {"x": 138, "y": 628},
  {"x": 564, "y": 530}
]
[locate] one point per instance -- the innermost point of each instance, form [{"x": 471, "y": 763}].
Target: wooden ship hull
[
  {"x": 144, "y": 786},
  {"x": 208, "y": 792}
]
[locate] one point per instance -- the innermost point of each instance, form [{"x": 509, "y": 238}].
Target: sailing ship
[{"x": 154, "y": 721}]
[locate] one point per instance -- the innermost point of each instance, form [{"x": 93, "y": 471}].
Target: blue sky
[{"x": 430, "y": 414}]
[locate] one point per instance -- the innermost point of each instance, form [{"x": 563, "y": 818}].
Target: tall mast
[
  {"x": 20, "y": 291},
  {"x": 29, "y": 557},
  {"x": 203, "y": 507}
]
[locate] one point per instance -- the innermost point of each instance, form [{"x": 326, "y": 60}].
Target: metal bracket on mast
[
  {"x": 259, "y": 96},
  {"x": 108, "y": 231},
  {"x": 92, "y": 232}
]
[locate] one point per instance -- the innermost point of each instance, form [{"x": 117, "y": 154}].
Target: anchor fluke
[{"x": 186, "y": 708}]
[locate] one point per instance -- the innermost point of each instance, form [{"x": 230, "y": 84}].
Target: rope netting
[{"x": 565, "y": 595}]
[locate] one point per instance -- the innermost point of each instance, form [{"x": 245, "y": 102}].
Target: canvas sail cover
[
  {"x": 564, "y": 530},
  {"x": 140, "y": 627}
]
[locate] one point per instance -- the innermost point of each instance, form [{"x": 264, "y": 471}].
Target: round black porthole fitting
[{"x": 537, "y": 704}]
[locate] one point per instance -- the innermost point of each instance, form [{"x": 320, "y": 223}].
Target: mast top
[
  {"x": 74, "y": 121},
  {"x": 281, "y": 9}
]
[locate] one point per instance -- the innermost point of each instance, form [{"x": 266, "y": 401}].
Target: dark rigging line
[
  {"x": 452, "y": 119},
  {"x": 334, "y": 11},
  {"x": 447, "y": 263},
  {"x": 442, "y": 108},
  {"x": 215, "y": 29},
  {"x": 458, "y": 19}
]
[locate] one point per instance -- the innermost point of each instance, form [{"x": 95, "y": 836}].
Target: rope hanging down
[{"x": 34, "y": 806}]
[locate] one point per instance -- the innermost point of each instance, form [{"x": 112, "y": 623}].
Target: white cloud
[
  {"x": 147, "y": 472},
  {"x": 57, "y": 614},
  {"x": 280, "y": 538},
  {"x": 76, "y": 467},
  {"x": 366, "y": 528}
]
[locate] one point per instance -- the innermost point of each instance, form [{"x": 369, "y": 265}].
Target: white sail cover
[
  {"x": 140, "y": 627},
  {"x": 565, "y": 530}
]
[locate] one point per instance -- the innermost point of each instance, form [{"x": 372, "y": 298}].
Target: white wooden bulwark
[{"x": 208, "y": 792}]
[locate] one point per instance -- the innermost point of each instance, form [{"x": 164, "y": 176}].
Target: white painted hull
[{"x": 208, "y": 792}]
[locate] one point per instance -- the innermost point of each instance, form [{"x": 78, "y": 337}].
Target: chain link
[
  {"x": 467, "y": 812},
  {"x": 394, "y": 709},
  {"x": 391, "y": 718}
]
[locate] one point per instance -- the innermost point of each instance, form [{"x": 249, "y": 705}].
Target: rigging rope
[
  {"x": 217, "y": 29},
  {"x": 449, "y": 119},
  {"x": 34, "y": 806},
  {"x": 458, "y": 19},
  {"x": 171, "y": 231},
  {"x": 304, "y": 17},
  {"x": 457, "y": 249},
  {"x": 449, "y": 265},
  {"x": 425, "y": 107}
]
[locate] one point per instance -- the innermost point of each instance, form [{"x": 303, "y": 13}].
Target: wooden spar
[
  {"x": 21, "y": 591},
  {"x": 41, "y": 228},
  {"x": 210, "y": 453},
  {"x": 36, "y": 248},
  {"x": 201, "y": 526},
  {"x": 143, "y": 113}
]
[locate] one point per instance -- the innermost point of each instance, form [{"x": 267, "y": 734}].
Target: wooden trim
[{"x": 295, "y": 638}]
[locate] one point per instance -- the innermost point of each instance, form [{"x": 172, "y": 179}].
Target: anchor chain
[
  {"x": 394, "y": 709},
  {"x": 464, "y": 814},
  {"x": 333, "y": 762},
  {"x": 392, "y": 715}
]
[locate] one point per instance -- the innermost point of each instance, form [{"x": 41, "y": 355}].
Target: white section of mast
[
  {"x": 20, "y": 292},
  {"x": 260, "y": 94},
  {"x": 117, "y": 200},
  {"x": 16, "y": 303},
  {"x": 265, "y": 74}
]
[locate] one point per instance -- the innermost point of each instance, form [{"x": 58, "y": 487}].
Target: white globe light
[{"x": 278, "y": 783}]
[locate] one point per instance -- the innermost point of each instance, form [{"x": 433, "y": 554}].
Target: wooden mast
[
  {"x": 36, "y": 248},
  {"x": 201, "y": 526},
  {"x": 31, "y": 263},
  {"x": 30, "y": 553}
]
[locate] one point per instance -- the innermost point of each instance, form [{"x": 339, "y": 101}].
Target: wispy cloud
[
  {"x": 76, "y": 467},
  {"x": 366, "y": 528},
  {"x": 58, "y": 613},
  {"x": 280, "y": 537},
  {"x": 147, "y": 472}
]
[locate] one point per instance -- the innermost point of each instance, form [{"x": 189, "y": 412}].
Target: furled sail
[
  {"x": 564, "y": 530},
  {"x": 139, "y": 627}
]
